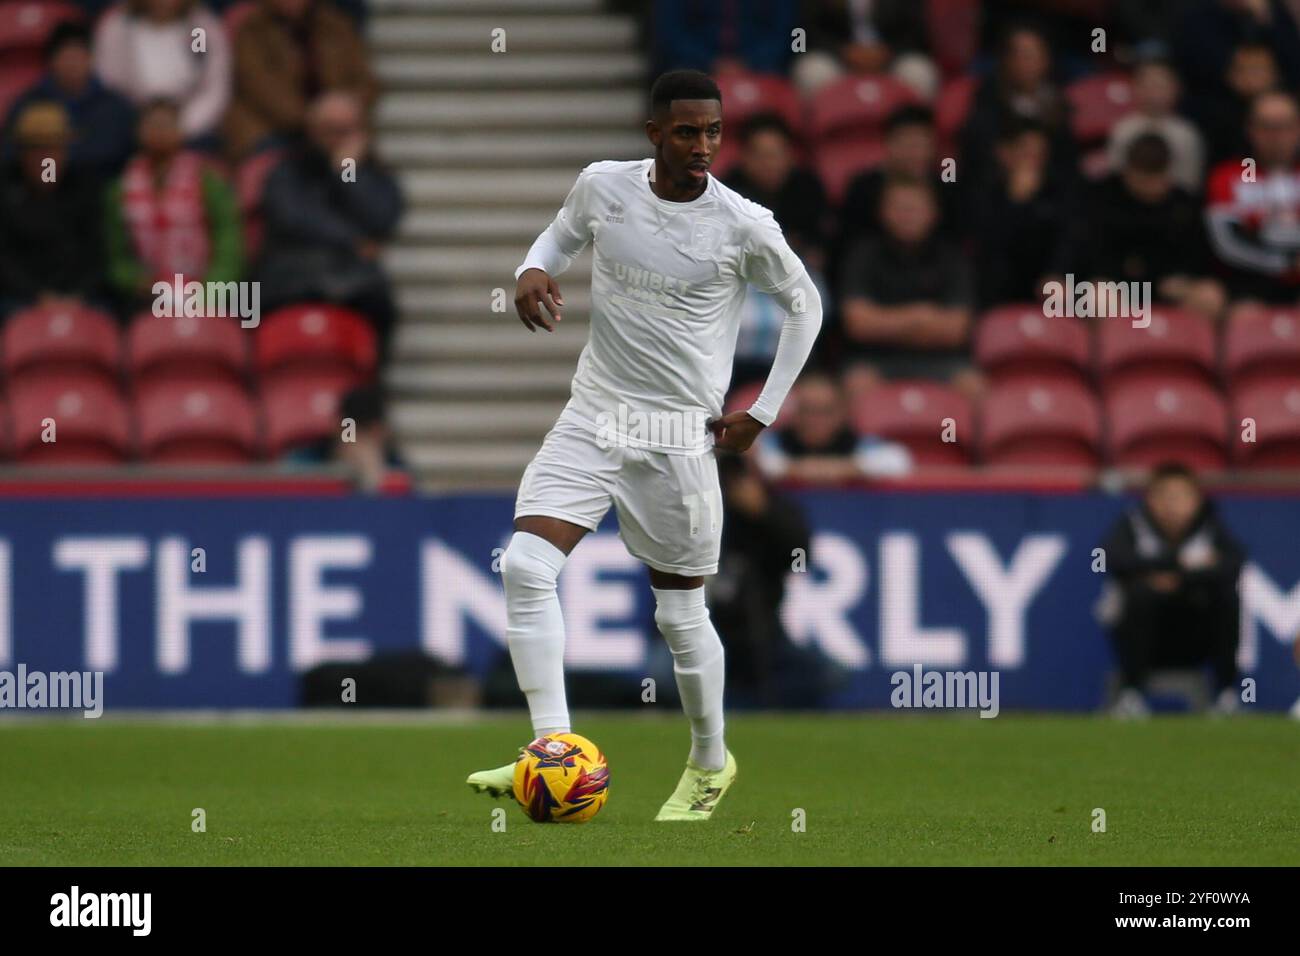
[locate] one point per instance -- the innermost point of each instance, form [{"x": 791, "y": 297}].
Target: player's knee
[{"x": 530, "y": 563}]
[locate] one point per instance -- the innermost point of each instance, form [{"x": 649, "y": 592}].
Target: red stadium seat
[
  {"x": 89, "y": 420},
  {"x": 1174, "y": 343},
  {"x": 1151, "y": 421},
  {"x": 1274, "y": 405},
  {"x": 202, "y": 423},
  {"x": 15, "y": 78},
  {"x": 1262, "y": 343},
  {"x": 954, "y": 30},
  {"x": 741, "y": 399},
  {"x": 316, "y": 337},
  {"x": 25, "y": 25},
  {"x": 302, "y": 408},
  {"x": 186, "y": 348},
  {"x": 950, "y": 109},
  {"x": 837, "y": 163},
  {"x": 1098, "y": 102},
  {"x": 68, "y": 338},
  {"x": 1041, "y": 424},
  {"x": 747, "y": 94},
  {"x": 6, "y": 432},
  {"x": 1017, "y": 341},
  {"x": 855, "y": 105},
  {"x": 250, "y": 186},
  {"x": 915, "y": 413}
]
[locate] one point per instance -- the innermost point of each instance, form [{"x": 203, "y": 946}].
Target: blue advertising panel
[{"x": 223, "y": 602}]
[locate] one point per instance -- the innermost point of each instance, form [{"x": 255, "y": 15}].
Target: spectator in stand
[
  {"x": 146, "y": 50},
  {"x": 1021, "y": 215},
  {"x": 101, "y": 119},
  {"x": 1251, "y": 71},
  {"x": 906, "y": 297},
  {"x": 1156, "y": 90},
  {"x": 367, "y": 450},
  {"x": 49, "y": 217},
  {"x": 716, "y": 36},
  {"x": 763, "y": 531},
  {"x": 911, "y": 149},
  {"x": 287, "y": 53},
  {"x": 851, "y": 37},
  {"x": 1020, "y": 86},
  {"x": 329, "y": 207},
  {"x": 820, "y": 446},
  {"x": 1173, "y": 601},
  {"x": 769, "y": 174},
  {"x": 1208, "y": 31},
  {"x": 1138, "y": 226},
  {"x": 1253, "y": 210},
  {"x": 168, "y": 215}
]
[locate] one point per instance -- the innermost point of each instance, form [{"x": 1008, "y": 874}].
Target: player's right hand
[{"x": 535, "y": 287}]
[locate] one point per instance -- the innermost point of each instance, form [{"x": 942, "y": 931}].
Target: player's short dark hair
[
  {"x": 765, "y": 123},
  {"x": 682, "y": 85},
  {"x": 910, "y": 115},
  {"x": 1148, "y": 153}
]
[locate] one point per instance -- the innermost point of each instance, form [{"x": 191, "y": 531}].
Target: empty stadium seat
[
  {"x": 1097, "y": 103},
  {"x": 837, "y": 163},
  {"x": 302, "y": 407},
  {"x": 1274, "y": 405},
  {"x": 748, "y": 94},
  {"x": 186, "y": 348},
  {"x": 1040, "y": 424},
  {"x": 1018, "y": 341},
  {"x": 90, "y": 424},
  {"x": 1150, "y": 421},
  {"x": 65, "y": 338},
  {"x": 1262, "y": 343},
  {"x": 1174, "y": 344},
  {"x": 951, "y": 107},
  {"x": 954, "y": 28},
  {"x": 855, "y": 105},
  {"x": 15, "y": 79},
  {"x": 914, "y": 413},
  {"x": 26, "y": 25},
  {"x": 319, "y": 337},
  {"x": 205, "y": 423}
]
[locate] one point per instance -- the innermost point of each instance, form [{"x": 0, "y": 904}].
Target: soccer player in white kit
[{"x": 673, "y": 252}]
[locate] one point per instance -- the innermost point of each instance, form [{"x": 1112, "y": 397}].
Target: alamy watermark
[
  {"x": 955, "y": 690},
  {"x": 1100, "y": 300},
  {"x": 59, "y": 690},
  {"x": 241, "y": 300},
  {"x": 632, "y": 428}
]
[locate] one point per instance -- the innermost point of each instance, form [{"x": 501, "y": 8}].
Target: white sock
[
  {"x": 699, "y": 665},
  {"x": 530, "y": 567}
]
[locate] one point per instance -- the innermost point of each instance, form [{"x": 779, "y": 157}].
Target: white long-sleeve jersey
[{"x": 668, "y": 282}]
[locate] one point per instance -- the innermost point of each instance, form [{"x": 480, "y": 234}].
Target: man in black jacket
[{"x": 1176, "y": 567}]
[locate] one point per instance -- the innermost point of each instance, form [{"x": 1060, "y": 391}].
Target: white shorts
[{"x": 669, "y": 506}]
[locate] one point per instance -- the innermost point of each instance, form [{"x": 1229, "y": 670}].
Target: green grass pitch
[{"x": 876, "y": 789}]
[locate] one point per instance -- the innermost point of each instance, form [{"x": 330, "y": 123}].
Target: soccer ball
[{"x": 562, "y": 778}]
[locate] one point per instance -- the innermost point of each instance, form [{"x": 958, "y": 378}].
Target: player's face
[{"x": 687, "y": 136}]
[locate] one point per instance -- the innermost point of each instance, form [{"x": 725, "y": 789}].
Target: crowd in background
[{"x": 987, "y": 184}]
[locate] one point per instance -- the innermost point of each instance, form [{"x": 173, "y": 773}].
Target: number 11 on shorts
[{"x": 712, "y": 501}]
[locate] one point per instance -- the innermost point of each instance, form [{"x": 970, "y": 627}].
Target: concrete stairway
[{"x": 487, "y": 145}]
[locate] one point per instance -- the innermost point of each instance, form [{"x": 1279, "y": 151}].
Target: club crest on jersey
[
  {"x": 615, "y": 213},
  {"x": 706, "y": 236}
]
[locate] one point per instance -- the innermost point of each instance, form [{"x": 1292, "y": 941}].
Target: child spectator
[
  {"x": 1156, "y": 89},
  {"x": 149, "y": 49},
  {"x": 169, "y": 214}
]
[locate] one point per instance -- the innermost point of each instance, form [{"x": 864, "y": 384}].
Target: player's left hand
[{"x": 734, "y": 432}]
